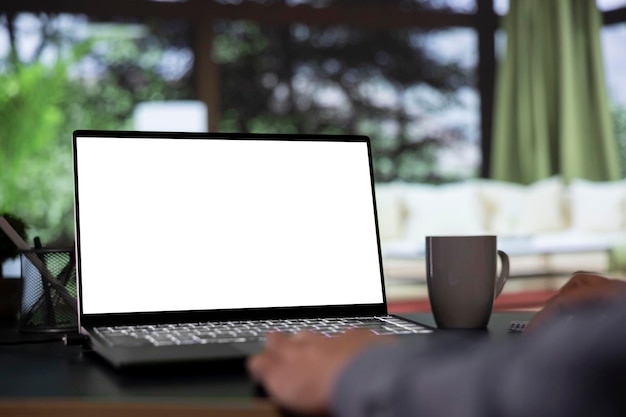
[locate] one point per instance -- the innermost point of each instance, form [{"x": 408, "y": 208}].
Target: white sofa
[{"x": 547, "y": 228}]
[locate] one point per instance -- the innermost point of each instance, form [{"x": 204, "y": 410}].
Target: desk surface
[{"x": 35, "y": 369}]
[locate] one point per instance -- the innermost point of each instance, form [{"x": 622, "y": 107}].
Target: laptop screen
[{"x": 181, "y": 222}]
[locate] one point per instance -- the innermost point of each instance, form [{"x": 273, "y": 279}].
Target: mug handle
[{"x": 504, "y": 273}]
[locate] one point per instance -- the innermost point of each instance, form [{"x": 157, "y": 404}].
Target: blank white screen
[{"x": 195, "y": 224}]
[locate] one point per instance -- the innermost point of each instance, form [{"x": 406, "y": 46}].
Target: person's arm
[
  {"x": 571, "y": 366},
  {"x": 581, "y": 288}
]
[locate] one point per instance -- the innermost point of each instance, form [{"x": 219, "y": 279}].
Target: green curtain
[{"x": 551, "y": 110}]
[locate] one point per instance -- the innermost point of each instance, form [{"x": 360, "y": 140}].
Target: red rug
[{"x": 512, "y": 301}]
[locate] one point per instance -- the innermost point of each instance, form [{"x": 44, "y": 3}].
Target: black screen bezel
[{"x": 91, "y": 320}]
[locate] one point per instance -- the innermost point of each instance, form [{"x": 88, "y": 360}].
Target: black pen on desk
[{"x": 38, "y": 249}]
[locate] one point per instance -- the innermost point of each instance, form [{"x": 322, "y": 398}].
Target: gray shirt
[{"x": 574, "y": 365}]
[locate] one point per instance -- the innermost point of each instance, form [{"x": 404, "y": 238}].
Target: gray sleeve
[{"x": 573, "y": 366}]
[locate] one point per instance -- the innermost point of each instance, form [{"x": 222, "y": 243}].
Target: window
[
  {"x": 412, "y": 91},
  {"x": 68, "y": 72},
  {"x": 613, "y": 38},
  {"x": 605, "y": 5}
]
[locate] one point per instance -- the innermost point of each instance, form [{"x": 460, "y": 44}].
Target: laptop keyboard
[{"x": 249, "y": 330}]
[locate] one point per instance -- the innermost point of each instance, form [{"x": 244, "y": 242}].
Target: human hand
[
  {"x": 581, "y": 287},
  {"x": 300, "y": 371}
]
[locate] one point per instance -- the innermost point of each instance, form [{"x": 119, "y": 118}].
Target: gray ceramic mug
[{"x": 461, "y": 272}]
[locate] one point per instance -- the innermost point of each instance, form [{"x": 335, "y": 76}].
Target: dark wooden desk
[{"x": 45, "y": 377}]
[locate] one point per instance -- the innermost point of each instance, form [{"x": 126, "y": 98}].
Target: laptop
[{"x": 192, "y": 246}]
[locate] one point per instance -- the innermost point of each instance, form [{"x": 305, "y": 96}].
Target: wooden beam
[
  {"x": 486, "y": 23},
  {"x": 102, "y": 9},
  {"x": 206, "y": 72},
  {"x": 369, "y": 16},
  {"x": 614, "y": 16}
]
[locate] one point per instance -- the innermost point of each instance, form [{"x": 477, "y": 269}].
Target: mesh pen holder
[{"x": 48, "y": 291}]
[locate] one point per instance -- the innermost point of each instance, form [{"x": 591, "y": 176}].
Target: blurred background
[{"x": 416, "y": 76}]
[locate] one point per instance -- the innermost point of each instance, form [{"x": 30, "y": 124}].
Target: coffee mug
[{"x": 461, "y": 273}]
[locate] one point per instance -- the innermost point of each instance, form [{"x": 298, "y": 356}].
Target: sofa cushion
[
  {"x": 598, "y": 206},
  {"x": 390, "y": 210},
  {"x": 450, "y": 209},
  {"x": 543, "y": 207},
  {"x": 503, "y": 203},
  {"x": 524, "y": 210}
]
